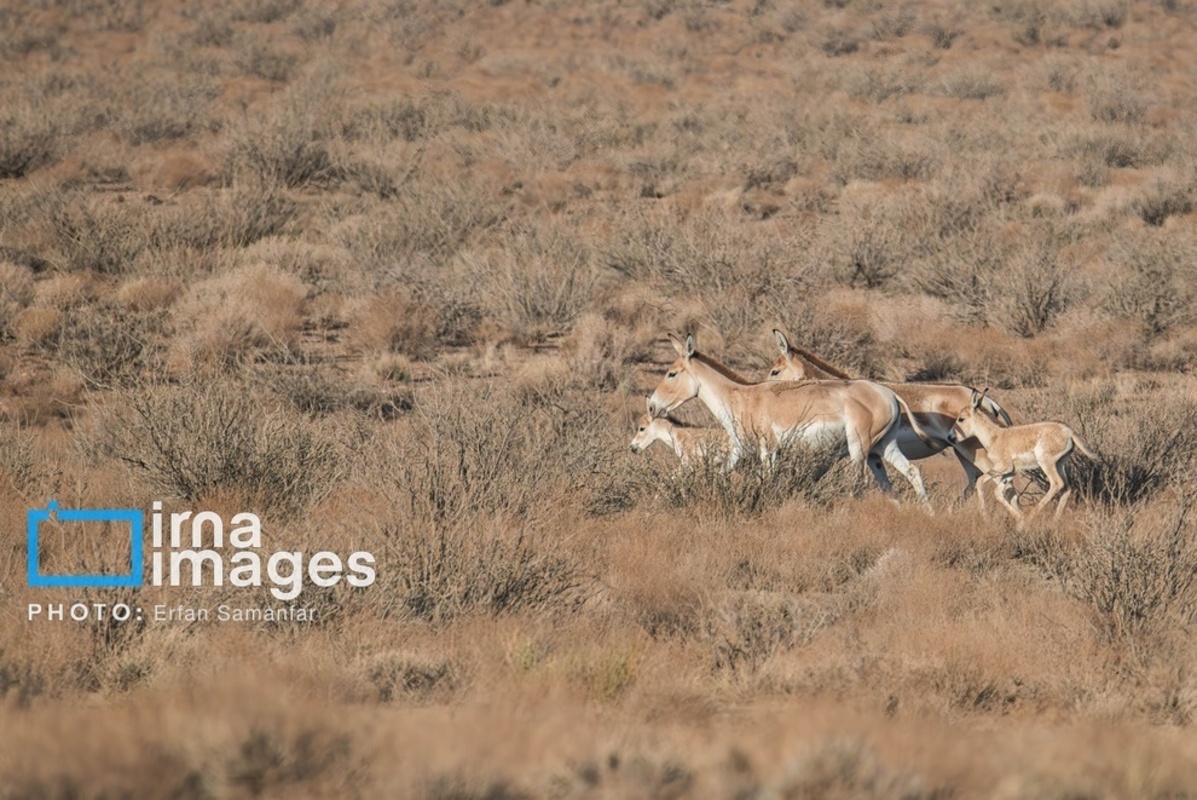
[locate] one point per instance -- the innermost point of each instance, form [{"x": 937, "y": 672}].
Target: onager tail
[
  {"x": 914, "y": 423},
  {"x": 1080, "y": 445}
]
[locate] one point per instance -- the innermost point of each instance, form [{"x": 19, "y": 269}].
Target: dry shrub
[
  {"x": 148, "y": 293},
  {"x": 437, "y": 572},
  {"x": 158, "y": 108},
  {"x": 1118, "y": 97},
  {"x": 29, "y": 139},
  {"x": 321, "y": 391},
  {"x": 846, "y": 767},
  {"x": 971, "y": 83},
  {"x": 107, "y": 345},
  {"x": 600, "y": 353},
  {"x": 1138, "y": 571},
  {"x": 1163, "y": 199},
  {"x": 236, "y": 216},
  {"x": 16, "y": 292},
  {"x": 252, "y": 311},
  {"x": 95, "y": 234},
  {"x": 540, "y": 285},
  {"x": 429, "y": 223},
  {"x": 479, "y": 449},
  {"x": 1155, "y": 280},
  {"x": 475, "y": 504},
  {"x": 408, "y": 679},
  {"x": 218, "y": 434},
  {"x": 800, "y": 471},
  {"x": 1034, "y": 289},
  {"x": 392, "y": 322},
  {"x": 291, "y": 146}
]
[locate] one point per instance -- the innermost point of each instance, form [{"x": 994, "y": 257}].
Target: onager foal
[
  {"x": 1046, "y": 445},
  {"x": 691, "y": 445}
]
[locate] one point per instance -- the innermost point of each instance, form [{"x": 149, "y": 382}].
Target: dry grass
[{"x": 395, "y": 275}]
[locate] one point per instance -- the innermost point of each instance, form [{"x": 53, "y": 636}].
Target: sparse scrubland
[{"x": 395, "y": 276}]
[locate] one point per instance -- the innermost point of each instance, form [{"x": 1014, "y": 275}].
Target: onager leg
[
  {"x": 1052, "y": 471},
  {"x": 973, "y": 473},
  {"x": 1003, "y": 488},
  {"x": 879, "y": 475},
  {"x": 894, "y": 457}
]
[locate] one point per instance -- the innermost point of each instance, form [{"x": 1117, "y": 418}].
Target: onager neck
[{"x": 715, "y": 386}]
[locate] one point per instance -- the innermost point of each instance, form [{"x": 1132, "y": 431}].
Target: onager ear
[
  {"x": 689, "y": 345},
  {"x": 783, "y": 344},
  {"x": 679, "y": 345},
  {"x": 648, "y": 404}
]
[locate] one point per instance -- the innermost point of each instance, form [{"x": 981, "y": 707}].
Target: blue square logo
[{"x": 36, "y": 516}]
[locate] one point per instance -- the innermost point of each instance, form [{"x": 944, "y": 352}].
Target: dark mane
[
  {"x": 810, "y": 357},
  {"x": 726, "y": 372},
  {"x": 675, "y": 422}
]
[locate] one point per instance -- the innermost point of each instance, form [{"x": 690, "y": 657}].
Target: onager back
[
  {"x": 1046, "y": 445},
  {"x": 691, "y": 445}
]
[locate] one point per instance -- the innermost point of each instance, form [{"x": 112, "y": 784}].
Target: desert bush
[
  {"x": 265, "y": 11},
  {"x": 108, "y": 15},
  {"x": 942, "y": 33},
  {"x": 110, "y": 347},
  {"x": 1163, "y": 199},
  {"x": 93, "y": 234},
  {"x": 16, "y": 292},
  {"x": 871, "y": 157},
  {"x": 191, "y": 440},
  {"x": 851, "y": 768},
  {"x": 292, "y": 145},
  {"x": 1155, "y": 281},
  {"x": 1034, "y": 289},
  {"x": 427, "y": 224},
  {"x": 540, "y": 285},
  {"x": 965, "y": 276},
  {"x": 19, "y": 679},
  {"x": 1117, "y": 98},
  {"x": 319, "y": 391},
  {"x": 28, "y": 140},
  {"x": 1138, "y": 571},
  {"x": 162, "y": 108},
  {"x": 802, "y": 472},
  {"x": 437, "y": 572},
  {"x": 877, "y": 85},
  {"x": 260, "y": 57},
  {"x": 409, "y": 679},
  {"x": 478, "y": 449},
  {"x": 254, "y": 311},
  {"x": 971, "y": 84}
]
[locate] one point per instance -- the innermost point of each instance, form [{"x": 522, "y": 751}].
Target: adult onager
[
  {"x": 690, "y": 444},
  {"x": 862, "y": 413},
  {"x": 1046, "y": 445},
  {"x": 935, "y": 406}
]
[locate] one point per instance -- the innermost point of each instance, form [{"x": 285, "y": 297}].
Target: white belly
[{"x": 817, "y": 434}]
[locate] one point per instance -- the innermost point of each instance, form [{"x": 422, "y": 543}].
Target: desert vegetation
[{"x": 396, "y": 274}]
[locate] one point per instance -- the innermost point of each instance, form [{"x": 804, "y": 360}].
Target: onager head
[
  {"x": 786, "y": 367},
  {"x": 967, "y": 420},
  {"x": 799, "y": 364},
  {"x": 679, "y": 384},
  {"x": 651, "y": 429}
]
